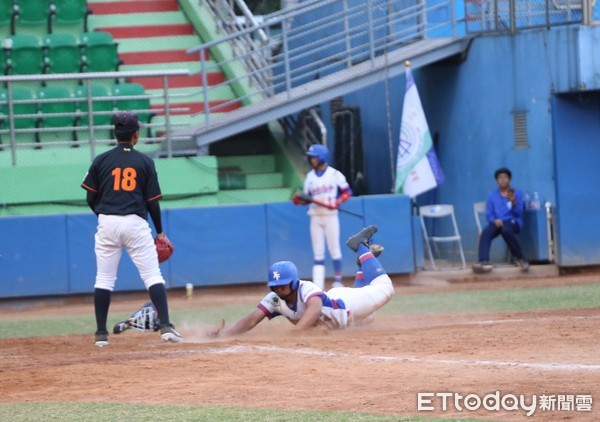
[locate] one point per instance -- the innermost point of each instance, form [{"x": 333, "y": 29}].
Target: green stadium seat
[
  {"x": 70, "y": 13},
  {"x": 8, "y": 12},
  {"x": 67, "y": 107},
  {"x": 20, "y": 111},
  {"x": 2, "y": 60},
  {"x": 62, "y": 54},
  {"x": 101, "y": 103},
  {"x": 141, "y": 106},
  {"x": 100, "y": 52},
  {"x": 25, "y": 55},
  {"x": 33, "y": 14},
  {"x": 3, "y": 112}
]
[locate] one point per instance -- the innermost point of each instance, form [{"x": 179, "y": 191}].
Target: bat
[{"x": 309, "y": 199}]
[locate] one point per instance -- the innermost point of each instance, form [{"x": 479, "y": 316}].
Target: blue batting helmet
[
  {"x": 282, "y": 273},
  {"x": 319, "y": 151}
]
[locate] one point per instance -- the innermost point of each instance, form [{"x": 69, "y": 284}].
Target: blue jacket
[{"x": 499, "y": 208}]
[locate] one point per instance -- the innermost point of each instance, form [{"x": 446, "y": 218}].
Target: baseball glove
[
  {"x": 300, "y": 198},
  {"x": 164, "y": 248}
]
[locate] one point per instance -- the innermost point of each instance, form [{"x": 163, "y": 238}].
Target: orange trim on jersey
[
  {"x": 154, "y": 198},
  {"x": 83, "y": 185}
]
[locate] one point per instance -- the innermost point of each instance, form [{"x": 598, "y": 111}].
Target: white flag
[{"x": 417, "y": 167}]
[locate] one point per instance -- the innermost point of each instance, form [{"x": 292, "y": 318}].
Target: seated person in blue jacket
[{"x": 504, "y": 214}]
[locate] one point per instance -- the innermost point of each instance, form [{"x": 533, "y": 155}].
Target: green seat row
[
  {"x": 37, "y": 109},
  {"x": 59, "y": 53},
  {"x": 24, "y": 15}
]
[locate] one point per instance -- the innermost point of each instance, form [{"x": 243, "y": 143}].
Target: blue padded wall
[
  {"x": 33, "y": 256},
  {"x": 392, "y": 215},
  {"x": 218, "y": 245},
  {"x": 213, "y": 246}
]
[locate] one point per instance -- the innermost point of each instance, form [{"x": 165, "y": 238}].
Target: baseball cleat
[
  {"x": 482, "y": 267},
  {"x": 337, "y": 284},
  {"x": 363, "y": 236},
  {"x": 168, "y": 333},
  {"x": 101, "y": 339}
]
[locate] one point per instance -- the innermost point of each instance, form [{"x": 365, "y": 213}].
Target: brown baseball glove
[{"x": 164, "y": 248}]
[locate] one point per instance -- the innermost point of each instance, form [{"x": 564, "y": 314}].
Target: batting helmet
[
  {"x": 319, "y": 151},
  {"x": 282, "y": 273}
]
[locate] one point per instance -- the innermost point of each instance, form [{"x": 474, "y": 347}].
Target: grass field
[{"x": 17, "y": 321}]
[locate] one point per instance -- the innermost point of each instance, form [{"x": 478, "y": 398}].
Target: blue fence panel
[
  {"x": 392, "y": 214},
  {"x": 218, "y": 245},
  {"x": 33, "y": 256}
]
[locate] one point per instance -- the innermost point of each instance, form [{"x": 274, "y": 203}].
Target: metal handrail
[
  {"x": 342, "y": 35},
  {"x": 90, "y": 113}
]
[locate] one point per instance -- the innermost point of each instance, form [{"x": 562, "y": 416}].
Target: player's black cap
[{"x": 126, "y": 121}]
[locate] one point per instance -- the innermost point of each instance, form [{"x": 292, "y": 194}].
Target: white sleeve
[
  {"x": 307, "y": 290},
  {"x": 340, "y": 180},
  {"x": 270, "y": 305}
]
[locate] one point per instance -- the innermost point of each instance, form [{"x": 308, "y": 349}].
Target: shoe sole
[
  {"x": 169, "y": 337},
  {"x": 360, "y": 237}
]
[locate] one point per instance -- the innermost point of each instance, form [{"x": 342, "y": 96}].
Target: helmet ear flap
[{"x": 294, "y": 284}]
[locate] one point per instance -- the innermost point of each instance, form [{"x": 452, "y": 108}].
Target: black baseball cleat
[
  {"x": 168, "y": 333},
  {"x": 363, "y": 236},
  {"x": 101, "y": 339}
]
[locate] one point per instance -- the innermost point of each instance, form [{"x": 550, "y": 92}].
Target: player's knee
[
  {"x": 151, "y": 281},
  {"x": 105, "y": 282},
  {"x": 384, "y": 284}
]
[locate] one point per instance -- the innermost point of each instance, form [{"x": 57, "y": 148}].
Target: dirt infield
[{"x": 379, "y": 368}]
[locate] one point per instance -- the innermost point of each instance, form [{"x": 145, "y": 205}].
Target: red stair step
[
  {"x": 180, "y": 81},
  {"x": 138, "y": 6},
  {"x": 149, "y": 31},
  {"x": 145, "y": 57},
  {"x": 194, "y": 108}
]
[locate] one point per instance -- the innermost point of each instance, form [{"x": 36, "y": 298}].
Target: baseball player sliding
[
  {"x": 329, "y": 189},
  {"x": 306, "y": 305},
  {"x": 122, "y": 188},
  {"x": 302, "y": 302}
]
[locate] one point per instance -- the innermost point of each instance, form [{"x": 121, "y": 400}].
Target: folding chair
[
  {"x": 480, "y": 221},
  {"x": 442, "y": 214}
]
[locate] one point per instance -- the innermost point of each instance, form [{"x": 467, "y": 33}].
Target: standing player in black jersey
[{"x": 122, "y": 188}]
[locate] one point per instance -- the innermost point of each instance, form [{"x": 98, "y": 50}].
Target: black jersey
[{"x": 124, "y": 180}]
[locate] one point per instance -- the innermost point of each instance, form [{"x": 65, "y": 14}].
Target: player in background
[
  {"x": 122, "y": 188},
  {"x": 306, "y": 305},
  {"x": 327, "y": 186}
]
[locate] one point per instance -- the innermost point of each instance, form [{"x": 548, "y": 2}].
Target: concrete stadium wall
[{"x": 54, "y": 255}]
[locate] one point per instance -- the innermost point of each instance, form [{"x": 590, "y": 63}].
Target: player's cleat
[
  {"x": 524, "y": 264},
  {"x": 168, "y": 333},
  {"x": 376, "y": 250},
  {"x": 337, "y": 284},
  {"x": 120, "y": 327},
  {"x": 101, "y": 339},
  {"x": 482, "y": 267},
  {"x": 363, "y": 236}
]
